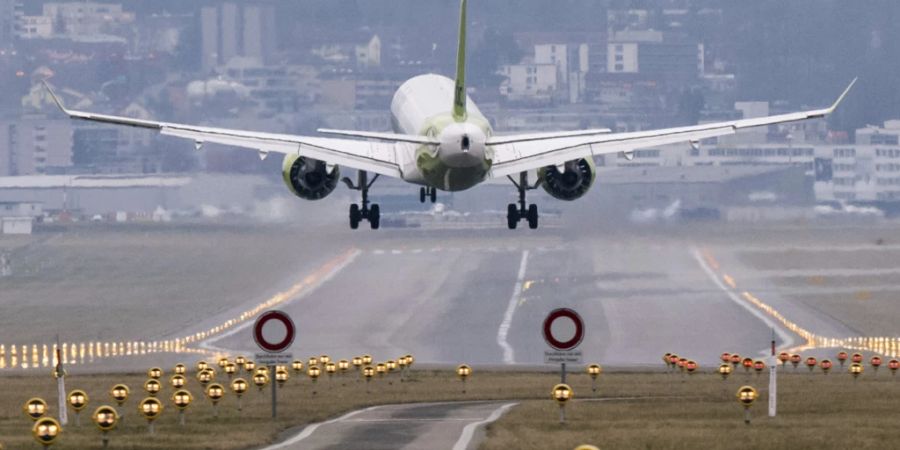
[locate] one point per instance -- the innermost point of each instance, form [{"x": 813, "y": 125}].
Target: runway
[
  {"x": 464, "y": 296},
  {"x": 458, "y": 302}
]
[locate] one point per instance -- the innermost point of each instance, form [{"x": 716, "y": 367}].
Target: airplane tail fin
[{"x": 459, "y": 92}]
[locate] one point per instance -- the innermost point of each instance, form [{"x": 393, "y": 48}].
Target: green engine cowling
[
  {"x": 308, "y": 178},
  {"x": 572, "y": 183}
]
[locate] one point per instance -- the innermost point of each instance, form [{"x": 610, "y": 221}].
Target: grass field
[
  {"x": 814, "y": 411},
  {"x": 155, "y": 279},
  {"x": 633, "y": 410}
]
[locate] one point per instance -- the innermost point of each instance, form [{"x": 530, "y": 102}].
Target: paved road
[{"x": 419, "y": 426}]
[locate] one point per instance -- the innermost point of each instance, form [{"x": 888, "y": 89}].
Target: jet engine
[
  {"x": 572, "y": 182},
  {"x": 309, "y": 179}
]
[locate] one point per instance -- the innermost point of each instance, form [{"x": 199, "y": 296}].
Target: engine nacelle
[
  {"x": 308, "y": 178},
  {"x": 572, "y": 183}
]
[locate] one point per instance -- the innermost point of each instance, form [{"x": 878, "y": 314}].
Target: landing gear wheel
[
  {"x": 433, "y": 195},
  {"x": 421, "y": 195},
  {"x": 512, "y": 216},
  {"x": 355, "y": 216},
  {"x": 532, "y": 217},
  {"x": 375, "y": 216}
]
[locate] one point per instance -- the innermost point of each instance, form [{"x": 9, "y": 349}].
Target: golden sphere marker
[
  {"x": 155, "y": 373},
  {"x": 215, "y": 392},
  {"x": 594, "y": 371},
  {"x": 463, "y": 372},
  {"x": 562, "y": 393},
  {"x": 746, "y": 395},
  {"x": 150, "y": 408},
  {"x": 46, "y": 431},
  {"x": 182, "y": 399},
  {"x": 239, "y": 386},
  {"x": 106, "y": 418},
  {"x": 35, "y": 408},
  {"x": 78, "y": 400}
]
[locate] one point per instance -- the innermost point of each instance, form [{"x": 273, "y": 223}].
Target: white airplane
[{"x": 441, "y": 141}]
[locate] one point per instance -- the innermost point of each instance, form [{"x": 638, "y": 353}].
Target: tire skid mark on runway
[
  {"x": 786, "y": 339},
  {"x": 503, "y": 331},
  {"x": 308, "y": 286},
  {"x": 888, "y": 346}
]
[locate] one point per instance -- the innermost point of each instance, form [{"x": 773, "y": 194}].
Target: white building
[
  {"x": 529, "y": 82},
  {"x": 31, "y": 146},
  {"x": 31, "y": 27},
  {"x": 87, "y": 18},
  {"x": 18, "y": 217},
  {"x": 368, "y": 55}
]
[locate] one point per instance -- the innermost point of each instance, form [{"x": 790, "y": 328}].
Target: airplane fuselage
[{"x": 421, "y": 106}]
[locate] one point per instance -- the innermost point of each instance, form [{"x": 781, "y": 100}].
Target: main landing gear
[
  {"x": 523, "y": 211},
  {"x": 358, "y": 213},
  {"x": 427, "y": 192}
]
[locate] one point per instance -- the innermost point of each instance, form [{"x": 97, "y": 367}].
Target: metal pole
[
  {"x": 181, "y": 417},
  {"x": 562, "y": 373},
  {"x": 274, "y": 394},
  {"x": 150, "y": 427},
  {"x": 105, "y": 440},
  {"x": 773, "y": 380},
  {"x": 61, "y": 386},
  {"x": 562, "y": 413},
  {"x": 747, "y": 416}
]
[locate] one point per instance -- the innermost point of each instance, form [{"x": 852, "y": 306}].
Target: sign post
[
  {"x": 563, "y": 331},
  {"x": 60, "y": 373},
  {"x": 274, "y": 333},
  {"x": 773, "y": 382}
]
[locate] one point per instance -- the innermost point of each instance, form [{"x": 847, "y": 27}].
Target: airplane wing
[
  {"x": 521, "y": 156},
  {"x": 375, "y": 157}
]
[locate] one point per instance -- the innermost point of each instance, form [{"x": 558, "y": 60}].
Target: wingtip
[
  {"x": 843, "y": 95},
  {"x": 53, "y": 95}
]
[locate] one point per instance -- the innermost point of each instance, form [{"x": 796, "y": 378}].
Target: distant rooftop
[{"x": 684, "y": 174}]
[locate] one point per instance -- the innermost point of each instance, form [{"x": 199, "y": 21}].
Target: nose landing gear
[
  {"x": 358, "y": 213},
  {"x": 523, "y": 211}
]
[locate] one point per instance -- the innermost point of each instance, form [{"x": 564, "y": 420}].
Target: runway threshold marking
[{"x": 503, "y": 331}]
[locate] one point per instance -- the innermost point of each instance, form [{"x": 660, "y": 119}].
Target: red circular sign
[
  {"x": 274, "y": 347},
  {"x": 558, "y": 344}
]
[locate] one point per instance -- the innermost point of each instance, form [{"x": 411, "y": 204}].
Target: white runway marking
[
  {"x": 308, "y": 431},
  {"x": 207, "y": 344},
  {"x": 503, "y": 331},
  {"x": 787, "y": 340},
  {"x": 469, "y": 431}
]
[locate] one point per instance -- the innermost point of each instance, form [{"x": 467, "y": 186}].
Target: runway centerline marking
[{"x": 503, "y": 331}]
